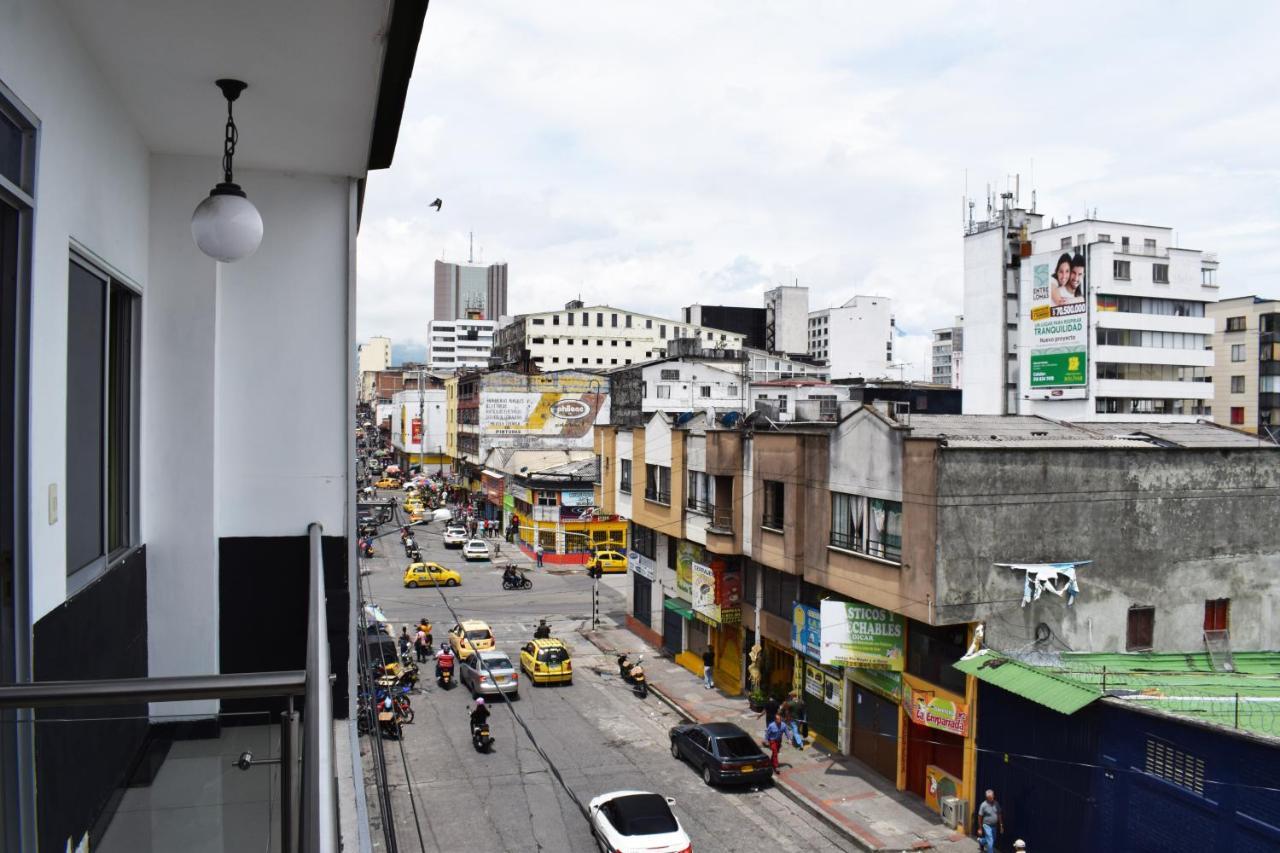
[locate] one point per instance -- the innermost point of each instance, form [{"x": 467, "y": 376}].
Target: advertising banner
[
  {"x": 857, "y": 634},
  {"x": 886, "y": 682},
  {"x": 687, "y": 553},
  {"x": 1054, "y": 288},
  {"x": 806, "y": 627},
  {"x": 704, "y": 592},
  {"x": 928, "y": 708},
  {"x": 520, "y": 493},
  {"x": 577, "y": 499},
  {"x": 642, "y": 565},
  {"x": 939, "y": 784},
  {"x": 519, "y": 407},
  {"x": 417, "y": 432}
]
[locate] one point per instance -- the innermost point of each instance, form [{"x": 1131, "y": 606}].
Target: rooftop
[{"x": 1035, "y": 431}]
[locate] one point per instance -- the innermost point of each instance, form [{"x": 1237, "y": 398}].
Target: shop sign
[
  {"x": 641, "y": 565},
  {"x": 857, "y": 634},
  {"x": 686, "y": 554},
  {"x": 806, "y": 627},
  {"x": 577, "y": 498},
  {"x": 886, "y": 682},
  {"x": 731, "y": 615},
  {"x": 938, "y": 783},
  {"x": 927, "y": 708},
  {"x": 822, "y": 685},
  {"x": 520, "y": 493},
  {"x": 704, "y": 593}
]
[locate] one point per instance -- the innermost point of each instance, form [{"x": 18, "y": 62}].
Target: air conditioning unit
[{"x": 955, "y": 812}]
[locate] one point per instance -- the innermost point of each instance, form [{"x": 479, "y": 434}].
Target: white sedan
[
  {"x": 633, "y": 821},
  {"x": 475, "y": 549},
  {"x": 455, "y": 537}
]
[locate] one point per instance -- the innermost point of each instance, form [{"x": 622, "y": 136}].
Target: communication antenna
[{"x": 471, "y": 247}]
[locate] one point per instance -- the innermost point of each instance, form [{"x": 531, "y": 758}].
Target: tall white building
[
  {"x": 786, "y": 312},
  {"x": 375, "y": 354},
  {"x": 855, "y": 339},
  {"x": 947, "y": 353},
  {"x": 597, "y": 336},
  {"x": 459, "y": 344},
  {"x": 1128, "y": 340}
]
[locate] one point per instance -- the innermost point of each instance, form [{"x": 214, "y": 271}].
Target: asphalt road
[{"x": 598, "y": 735}]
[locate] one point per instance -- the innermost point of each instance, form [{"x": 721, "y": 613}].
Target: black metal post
[{"x": 289, "y": 812}]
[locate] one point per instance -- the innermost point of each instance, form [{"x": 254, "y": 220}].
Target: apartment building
[
  {"x": 375, "y": 354},
  {"x": 463, "y": 344},
  {"x": 1088, "y": 320},
  {"x": 1246, "y": 370},
  {"x": 855, "y": 340},
  {"x": 167, "y": 517},
  {"x": 595, "y": 337},
  {"x": 947, "y": 355}
]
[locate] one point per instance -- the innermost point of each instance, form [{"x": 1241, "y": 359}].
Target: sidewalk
[{"x": 838, "y": 789}]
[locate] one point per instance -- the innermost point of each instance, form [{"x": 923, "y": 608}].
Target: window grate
[{"x": 1174, "y": 766}]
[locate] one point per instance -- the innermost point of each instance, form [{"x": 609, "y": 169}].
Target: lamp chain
[{"x": 229, "y": 145}]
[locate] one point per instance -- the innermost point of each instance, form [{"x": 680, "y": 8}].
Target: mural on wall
[{"x": 515, "y": 409}]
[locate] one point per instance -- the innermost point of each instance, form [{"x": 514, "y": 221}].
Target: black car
[{"x": 722, "y": 751}]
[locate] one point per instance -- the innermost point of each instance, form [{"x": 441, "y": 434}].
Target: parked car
[
  {"x": 475, "y": 549},
  {"x": 608, "y": 560},
  {"x": 430, "y": 574},
  {"x": 546, "y": 661},
  {"x": 469, "y": 636},
  {"x": 722, "y": 752},
  {"x": 635, "y": 821},
  {"x": 496, "y": 675},
  {"x": 455, "y": 537}
]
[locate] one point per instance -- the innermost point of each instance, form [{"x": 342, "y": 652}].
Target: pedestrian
[
  {"x": 791, "y": 710},
  {"x": 405, "y": 641},
  {"x": 773, "y": 739},
  {"x": 537, "y": 553},
  {"x": 771, "y": 706},
  {"x": 708, "y": 660},
  {"x": 990, "y": 822}
]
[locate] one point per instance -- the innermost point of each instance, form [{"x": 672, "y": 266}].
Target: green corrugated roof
[
  {"x": 1039, "y": 685},
  {"x": 678, "y": 606}
]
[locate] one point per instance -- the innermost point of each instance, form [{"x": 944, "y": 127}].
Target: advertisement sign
[
  {"x": 563, "y": 407},
  {"x": 519, "y": 492},
  {"x": 857, "y": 634},
  {"x": 493, "y": 488},
  {"x": 729, "y": 588},
  {"x": 823, "y": 685},
  {"x": 687, "y": 553},
  {"x": 886, "y": 682},
  {"x": 704, "y": 592},
  {"x": 417, "y": 432},
  {"x": 642, "y": 565},
  {"x": 1054, "y": 288},
  {"x": 927, "y": 708},
  {"x": 938, "y": 784},
  {"x": 577, "y": 498},
  {"x": 806, "y": 627}
]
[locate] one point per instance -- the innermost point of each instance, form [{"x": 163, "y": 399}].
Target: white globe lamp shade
[{"x": 226, "y": 226}]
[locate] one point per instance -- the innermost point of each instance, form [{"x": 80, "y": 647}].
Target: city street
[{"x": 599, "y": 736}]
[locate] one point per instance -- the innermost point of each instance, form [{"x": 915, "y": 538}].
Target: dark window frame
[
  {"x": 624, "y": 476},
  {"x": 1140, "y": 628},
  {"x": 773, "y": 507}
]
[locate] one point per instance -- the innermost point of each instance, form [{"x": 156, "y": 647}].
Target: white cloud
[{"x": 657, "y": 155}]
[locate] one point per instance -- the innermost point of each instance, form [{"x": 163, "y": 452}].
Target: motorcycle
[
  {"x": 516, "y": 582},
  {"x": 366, "y": 547},
  {"x": 410, "y": 546},
  {"x": 633, "y": 674},
  {"x": 480, "y": 737},
  {"x": 399, "y": 700},
  {"x": 444, "y": 676},
  {"x": 414, "y": 554}
]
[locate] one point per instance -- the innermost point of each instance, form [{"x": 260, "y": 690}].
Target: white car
[
  {"x": 455, "y": 537},
  {"x": 634, "y": 821},
  {"x": 475, "y": 549}
]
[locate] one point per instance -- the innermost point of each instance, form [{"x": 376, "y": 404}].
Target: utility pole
[{"x": 422, "y": 425}]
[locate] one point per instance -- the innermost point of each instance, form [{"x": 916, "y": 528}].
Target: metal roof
[
  {"x": 1032, "y": 431},
  {"x": 1199, "y": 434},
  {"x": 1039, "y": 685}
]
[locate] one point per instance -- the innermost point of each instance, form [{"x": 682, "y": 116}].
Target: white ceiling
[{"x": 312, "y": 67}]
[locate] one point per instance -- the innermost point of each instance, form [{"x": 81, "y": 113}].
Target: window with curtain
[{"x": 867, "y": 525}]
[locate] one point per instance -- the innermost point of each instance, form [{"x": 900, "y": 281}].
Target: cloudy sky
[{"x": 653, "y": 155}]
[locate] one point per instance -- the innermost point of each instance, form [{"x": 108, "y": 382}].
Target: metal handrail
[
  {"x": 170, "y": 688},
  {"x": 320, "y": 803}
]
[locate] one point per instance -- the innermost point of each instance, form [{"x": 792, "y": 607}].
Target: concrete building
[
  {"x": 595, "y": 337},
  {"x": 1246, "y": 371},
  {"x": 465, "y": 290},
  {"x": 418, "y": 427},
  {"x": 948, "y": 355},
  {"x": 1131, "y": 340},
  {"x": 464, "y": 344},
  {"x": 177, "y": 442},
  {"x": 855, "y": 339},
  {"x": 786, "y": 319},
  {"x": 751, "y": 323},
  {"x": 375, "y": 354}
]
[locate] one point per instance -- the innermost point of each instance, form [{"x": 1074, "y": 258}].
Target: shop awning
[
  {"x": 1029, "y": 682},
  {"x": 497, "y": 475},
  {"x": 676, "y": 605}
]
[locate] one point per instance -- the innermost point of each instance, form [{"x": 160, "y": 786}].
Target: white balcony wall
[
  {"x": 1153, "y": 355},
  {"x": 1151, "y": 389},
  {"x": 1153, "y": 322}
]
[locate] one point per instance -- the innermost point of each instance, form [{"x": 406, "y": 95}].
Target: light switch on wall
[{"x": 53, "y": 503}]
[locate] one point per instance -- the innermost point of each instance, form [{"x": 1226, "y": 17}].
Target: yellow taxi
[
  {"x": 547, "y": 661},
  {"x": 607, "y": 560},
  {"x": 469, "y": 636},
  {"x": 430, "y": 574},
  {"x": 387, "y": 483},
  {"x": 413, "y": 506}
]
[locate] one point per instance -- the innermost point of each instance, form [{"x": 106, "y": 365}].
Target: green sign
[
  {"x": 859, "y": 635},
  {"x": 886, "y": 682},
  {"x": 1050, "y": 369}
]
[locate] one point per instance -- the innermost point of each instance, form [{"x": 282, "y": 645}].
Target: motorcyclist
[
  {"x": 624, "y": 666},
  {"x": 511, "y": 574},
  {"x": 444, "y": 660},
  {"x": 543, "y": 631},
  {"x": 479, "y": 714}
]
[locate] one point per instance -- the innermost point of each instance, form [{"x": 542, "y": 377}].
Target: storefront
[
  {"x": 874, "y": 717},
  {"x": 937, "y": 725},
  {"x": 820, "y": 687},
  {"x": 493, "y": 488},
  {"x": 676, "y": 615}
]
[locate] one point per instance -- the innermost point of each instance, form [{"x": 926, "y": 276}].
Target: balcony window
[
  {"x": 867, "y": 525},
  {"x": 1235, "y": 324},
  {"x": 102, "y": 385},
  {"x": 624, "y": 475},
  {"x": 774, "y": 504},
  {"x": 657, "y": 485},
  {"x": 699, "y": 496}
]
